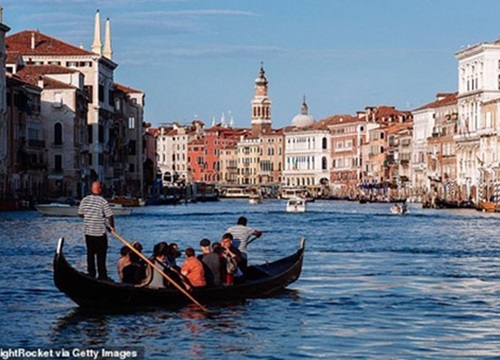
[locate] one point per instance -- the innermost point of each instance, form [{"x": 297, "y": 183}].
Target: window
[
  {"x": 324, "y": 144},
  {"x": 58, "y": 134},
  {"x": 131, "y": 122},
  {"x": 58, "y": 163},
  {"x": 323, "y": 163}
]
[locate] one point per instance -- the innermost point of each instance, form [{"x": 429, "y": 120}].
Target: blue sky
[{"x": 200, "y": 57}]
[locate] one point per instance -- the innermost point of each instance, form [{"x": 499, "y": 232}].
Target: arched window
[
  {"x": 58, "y": 134},
  {"x": 324, "y": 146},
  {"x": 323, "y": 163}
]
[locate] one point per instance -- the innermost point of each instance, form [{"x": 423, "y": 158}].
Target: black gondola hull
[{"x": 262, "y": 281}]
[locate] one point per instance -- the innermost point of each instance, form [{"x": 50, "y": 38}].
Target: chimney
[
  {"x": 97, "y": 45},
  {"x": 32, "y": 41},
  {"x": 107, "y": 42}
]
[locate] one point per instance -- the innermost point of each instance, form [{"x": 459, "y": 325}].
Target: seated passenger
[
  {"x": 211, "y": 263},
  {"x": 135, "y": 272},
  {"x": 172, "y": 255},
  {"x": 217, "y": 249},
  {"x": 159, "y": 259},
  {"x": 123, "y": 261},
  {"x": 193, "y": 271}
]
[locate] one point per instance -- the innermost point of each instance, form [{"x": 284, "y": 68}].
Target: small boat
[
  {"x": 296, "y": 205},
  {"x": 255, "y": 199},
  {"x": 58, "y": 209},
  {"x": 127, "y": 201},
  {"x": 399, "y": 209},
  {"x": 261, "y": 281}
]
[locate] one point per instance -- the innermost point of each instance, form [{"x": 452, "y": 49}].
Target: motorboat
[
  {"x": 296, "y": 205},
  {"x": 59, "y": 209},
  {"x": 255, "y": 199},
  {"x": 397, "y": 209}
]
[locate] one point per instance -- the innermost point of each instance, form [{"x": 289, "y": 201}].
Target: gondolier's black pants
[{"x": 97, "y": 247}]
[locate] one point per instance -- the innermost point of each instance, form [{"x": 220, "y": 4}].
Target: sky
[{"x": 200, "y": 58}]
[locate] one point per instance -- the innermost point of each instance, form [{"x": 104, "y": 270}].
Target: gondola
[{"x": 261, "y": 281}]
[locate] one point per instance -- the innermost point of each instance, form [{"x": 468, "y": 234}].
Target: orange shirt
[{"x": 192, "y": 268}]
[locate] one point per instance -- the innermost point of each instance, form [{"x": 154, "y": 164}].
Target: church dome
[{"x": 303, "y": 118}]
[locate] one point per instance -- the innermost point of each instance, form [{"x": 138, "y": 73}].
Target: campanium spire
[
  {"x": 97, "y": 45},
  {"x": 107, "y": 41}
]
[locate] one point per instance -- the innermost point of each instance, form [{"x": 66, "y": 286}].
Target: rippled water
[{"x": 374, "y": 285}]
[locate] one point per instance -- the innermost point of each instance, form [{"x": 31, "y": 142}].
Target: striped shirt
[
  {"x": 95, "y": 209},
  {"x": 241, "y": 234}
]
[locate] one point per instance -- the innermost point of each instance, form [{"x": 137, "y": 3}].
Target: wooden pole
[{"x": 150, "y": 263}]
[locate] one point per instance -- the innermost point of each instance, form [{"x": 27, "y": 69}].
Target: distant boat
[
  {"x": 127, "y": 201},
  {"x": 255, "y": 199},
  {"x": 296, "y": 205},
  {"x": 58, "y": 209},
  {"x": 399, "y": 209}
]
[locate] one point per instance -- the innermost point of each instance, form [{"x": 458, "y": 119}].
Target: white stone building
[{"x": 478, "y": 83}]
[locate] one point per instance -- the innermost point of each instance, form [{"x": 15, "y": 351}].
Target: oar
[
  {"x": 252, "y": 239},
  {"x": 159, "y": 270}
]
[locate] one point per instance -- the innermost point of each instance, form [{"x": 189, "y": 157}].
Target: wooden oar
[
  {"x": 252, "y": 240},
  {"x": 127, "y": 244}
]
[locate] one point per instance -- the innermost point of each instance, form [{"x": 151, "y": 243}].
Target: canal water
[{"x": 374, "y": 285}]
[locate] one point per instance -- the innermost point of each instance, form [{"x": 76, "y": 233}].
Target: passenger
[
  {"x": 241, "y": 234},
  {"x": 192, "y": 270},
  {"x": 135, "y": 272},
  {"x": 217, "y": 249},
  {"x": 211, "y": 263},
  {"x": 233, "y": 258},
  {"x": 159, "y": 259},
  {"x": 173, "y": 254},
  {"x": 123, "y": 261}
]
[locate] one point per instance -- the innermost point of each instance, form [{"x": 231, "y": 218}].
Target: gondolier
[
  {"x": 241, "y": 234},
  {"x": 95, "y": 210}
]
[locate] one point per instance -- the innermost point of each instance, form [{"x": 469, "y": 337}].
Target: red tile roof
[
  {"x": 32, "y": 74},
  {"x": 444, "y": 99},
  {"x": 44, "y": 45},
  {"x": 126, "y": 89}
]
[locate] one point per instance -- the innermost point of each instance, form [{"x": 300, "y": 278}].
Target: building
[
  {"x": 5, "y": 191},
  {"x": 36, "y": 48},
  {"x": 478, "y": 83},
  {"x": 62, "y": 126}
]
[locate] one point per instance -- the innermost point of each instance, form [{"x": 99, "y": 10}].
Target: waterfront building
[
  {"x": 348, "y": 134},
  {"x": 307, "y": 155},
  {"x": 376, "y": 175},
  {"x": 397, "y": 159},
  {"x": 26, "y": 161},
  {"x": 440, "y": 155},
  {"x": 489, "y": 152},
  {"x": 229, "y": 162},
  {"x": 196, "y": 160},
  {"x": 423, "y": 125},
  {"x": 4, "y": 132},
  {"x": 98, "y": 68},
  {"x": 248, "y": 150},
  {"x": 478, "y": 83},
  {"x": 271, "y": 159},
  {"x": 173, "y": 151},
  {"x": 58, "y": 128},
  {"x": 404, "y": 150},
  {"x": 126, "y": 141}
]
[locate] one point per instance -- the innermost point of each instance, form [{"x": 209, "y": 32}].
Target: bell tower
[{"x": 261, "y": 105}]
